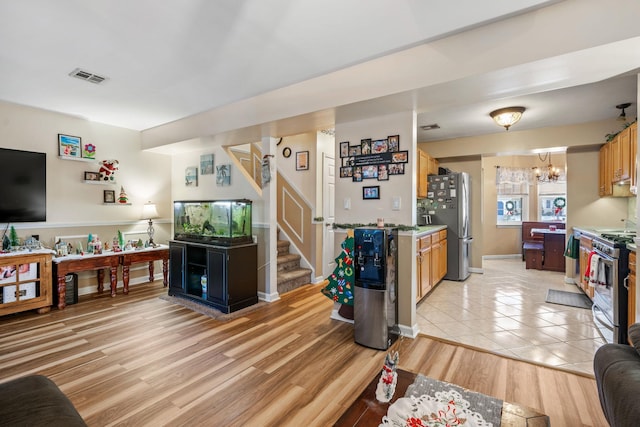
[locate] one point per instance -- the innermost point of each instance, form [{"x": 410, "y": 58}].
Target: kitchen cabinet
[
  {"x": 25, "y": 282},
  {"x": 431, "y": 261},
  {"x": 231, "y": 274},
  {"x": 605, "y": 176},
  {"x": 621, "y": 155},
  {"x": 586, "y": 246},
  {"x": 633, "y": 142},
  {"x": 423, "y": 264},
  {"x": 423, "y": 172},
  {"x": 631, "y": 287}
]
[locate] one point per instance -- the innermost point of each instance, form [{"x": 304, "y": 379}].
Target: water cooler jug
[{"x": 375, "y": 304}]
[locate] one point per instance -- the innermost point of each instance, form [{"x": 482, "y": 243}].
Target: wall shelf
[
  {"x": 88, "y": 181},
  {"x": 77, "y": 159},
  {"x": 117, "y": 204}
]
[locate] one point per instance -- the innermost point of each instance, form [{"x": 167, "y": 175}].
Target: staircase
[{"x": 290, "y": 274}]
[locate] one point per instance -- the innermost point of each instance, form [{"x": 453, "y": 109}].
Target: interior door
[{"x": 328, "y": 212}]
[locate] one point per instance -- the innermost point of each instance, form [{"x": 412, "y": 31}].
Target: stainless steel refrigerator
[{"x": 449, "y": 203}]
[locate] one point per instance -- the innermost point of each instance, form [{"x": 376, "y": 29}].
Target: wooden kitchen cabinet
[
  {"x": 423, "y": 172},
  {"x": 586, "y": 246},
  {"x": 423, "y": 265},
  {"x": 631, "y": 287},
  {"x": 633, "y": 142},
  {"x": 25, "y": 283},
  {"x": 442, "y": 259},
  {"x": 605, "y": 177},
  {"x": 621, "y": 156}
]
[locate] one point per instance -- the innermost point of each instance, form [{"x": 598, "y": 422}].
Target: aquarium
[{"x": 223, "y": 222}]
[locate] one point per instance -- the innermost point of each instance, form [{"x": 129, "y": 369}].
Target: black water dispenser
[{"x": 375, "y": 303}]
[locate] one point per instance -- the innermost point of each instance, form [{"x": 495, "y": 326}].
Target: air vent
[
  {"x": 430, "y": 127},
  {"x": 88, "y": 76}
]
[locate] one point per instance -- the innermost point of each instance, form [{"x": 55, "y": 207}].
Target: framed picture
[
  {"x": 69, "y": 146},
  {"x": 365, "y": 146},
  {"x": 357, "y": 174},
  {"x": 346, "y": 172},
  {"x": 396, "y": 168},
  {"x": 371, "y": 192},
  {"x": 109, "y": 196},
  {"x": 89, "y": 151},
  {"x": 223, "y": 175},
  {"x": 394, "y": 143},
  {"x": 383, "y": 173},
  {"x": 344, "y": 149},
  {"x": 369, "y": 172},
  {"x": 91, "y": 176},
  {"x": 355, "y": 150},
  {"x": 206, "y": 164},
  {"x": 379, "y": 146},
  {"x": 400, "y": 157},
  {"x": 286, "y": 152},
  {"x": 302, "y": 160},
  {"x": 191, "y": 176}
]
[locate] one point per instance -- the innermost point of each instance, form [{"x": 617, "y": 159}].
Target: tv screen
[{"x": 23, "y": 186}]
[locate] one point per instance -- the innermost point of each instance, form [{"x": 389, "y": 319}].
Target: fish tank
[{"x": 222, "y": 222}]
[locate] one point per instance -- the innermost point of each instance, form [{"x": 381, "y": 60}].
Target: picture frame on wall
[
  {"x": 223, "y": 175},
  {"x": 365, "y": 146},
  {"x": 393, "y": 142},
  {"x": 396, "y": 168},
  {"x": 383, "y": 173},
  {"x": 346, "y": 172},
  {"x": 69, "y": 146},
  {"x": 191, "y": 176},
  {"x": 369, "y": 193},
  {"x": 109, "y": 196},
  {"x": 302, "y": 160},
  {"x": 206, "y": 164},
  {"x": 357, "y": 174},
  {"x": 355, "y": 150},
  {"x": 92, "y": 176},
  {"x": 370, "y": 172},
  {"x": 344, "y": 149},
  {"x": 379, "y": 146}
]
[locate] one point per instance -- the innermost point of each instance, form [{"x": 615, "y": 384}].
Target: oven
[{"x": 610, "y": 299}]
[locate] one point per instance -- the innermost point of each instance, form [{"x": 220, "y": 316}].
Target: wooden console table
[{"x": 75, "y": 263}]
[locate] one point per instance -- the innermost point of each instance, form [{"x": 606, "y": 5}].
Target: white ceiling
[{"x": 170, "y": 60}]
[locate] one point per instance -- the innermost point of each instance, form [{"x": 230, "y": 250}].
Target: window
[
  {"x": 512, "y": 209},
  {"x": 512, "y": 185},
  {"x": 552, "y": 201}
]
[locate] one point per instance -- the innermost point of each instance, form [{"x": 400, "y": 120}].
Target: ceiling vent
[
  {"x": 430, "y": 127},
  {"x": 88, "y": 76}
]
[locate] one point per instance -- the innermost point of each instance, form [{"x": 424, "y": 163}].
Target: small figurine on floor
[{"x": 388, "y": 378}]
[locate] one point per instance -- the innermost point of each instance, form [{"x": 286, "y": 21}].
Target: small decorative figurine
[
  {"x": 123, "y": 196},
  {"x": 388, "y": 378}
]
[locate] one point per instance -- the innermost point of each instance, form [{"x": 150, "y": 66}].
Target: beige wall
[{"x": 75, "y": 208}]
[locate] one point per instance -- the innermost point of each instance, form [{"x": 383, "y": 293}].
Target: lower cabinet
[
  {"x": 25, "y": 282},
  {"x": 586, "y": 246},
  {"x": 631, "y": 287},
  {"x": 431, "y": 262},
  {"x": 229, "y": 274}
]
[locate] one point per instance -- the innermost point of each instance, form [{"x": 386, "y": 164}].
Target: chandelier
[
  {"x": 507, "y": 117},
  {"x": 551, "y": 174}
]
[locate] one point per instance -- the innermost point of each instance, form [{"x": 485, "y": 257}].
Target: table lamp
[{"x": 149, "y": 212}]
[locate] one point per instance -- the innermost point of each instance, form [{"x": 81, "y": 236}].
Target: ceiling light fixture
[
  {"x": 551, "y": 174},
  {"x": 623, "y": 117},
  {"x": 430, "y": 127},
  {"x": 507, "y": 117}
]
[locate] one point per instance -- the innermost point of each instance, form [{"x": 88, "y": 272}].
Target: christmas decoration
[
  {"x": 341, "y": 281},
  {"x": 123, "y": 198}
]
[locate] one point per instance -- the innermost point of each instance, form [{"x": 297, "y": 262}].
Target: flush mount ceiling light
[
  {"x": 507, "y": 117},
  {"x": 623, "y": 117},
  {"x": 430, "y": 127}
]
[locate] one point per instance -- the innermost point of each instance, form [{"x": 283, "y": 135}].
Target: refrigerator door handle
[{"x": 467, "y": 240}]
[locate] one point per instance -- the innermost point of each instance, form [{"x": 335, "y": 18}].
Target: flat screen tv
[{"x": 23, "y": 186}]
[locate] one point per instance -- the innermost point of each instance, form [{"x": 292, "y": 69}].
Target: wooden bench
[{"x": 528, "y": 238}]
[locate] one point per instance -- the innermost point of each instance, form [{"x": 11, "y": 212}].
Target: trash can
[{"x": 71, "y": 290}]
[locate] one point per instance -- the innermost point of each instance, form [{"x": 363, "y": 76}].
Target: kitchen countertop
[{"x": 429, "y": 229}]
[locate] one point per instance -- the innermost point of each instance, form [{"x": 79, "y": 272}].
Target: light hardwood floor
[{"x": 138, "y": 360}]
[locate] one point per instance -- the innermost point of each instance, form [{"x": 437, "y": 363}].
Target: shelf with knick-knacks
[
  {"x": 96, "y": 179},
  {"x": 109, "y": 198}
]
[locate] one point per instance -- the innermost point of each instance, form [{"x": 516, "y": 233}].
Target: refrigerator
[
  {"x": 375, "y": 302},
  {"x": 448, "y": 203}
]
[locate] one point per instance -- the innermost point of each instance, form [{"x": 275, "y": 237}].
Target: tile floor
[{"x": 504, "y": 310}]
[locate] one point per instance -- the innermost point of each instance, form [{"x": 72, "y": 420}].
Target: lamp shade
[
  {"x": 507, "y": 117},
  {"x": 149, "y": 211}
]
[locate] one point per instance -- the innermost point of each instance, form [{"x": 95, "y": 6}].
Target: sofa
[
  {"x": 617, "y": 372},
  {"x": 35, "y": 400}
]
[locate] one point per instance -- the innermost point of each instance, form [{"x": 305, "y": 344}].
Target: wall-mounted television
[{"x": 23, "y": 186}]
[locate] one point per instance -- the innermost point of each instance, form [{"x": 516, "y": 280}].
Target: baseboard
[
  {"x": 505, "y": 256},
  {"x": 476, "y": 270},
  {"x": 409, "y": 331},
  {"x": 268, "y": 297}
]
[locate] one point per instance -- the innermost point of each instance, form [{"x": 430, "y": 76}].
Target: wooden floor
[{"x": 138, "y": 360}]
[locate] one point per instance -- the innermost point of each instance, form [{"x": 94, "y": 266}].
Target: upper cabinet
[
  {"x": 427, "y": 165},
  {"x": 618, "y": 164}
]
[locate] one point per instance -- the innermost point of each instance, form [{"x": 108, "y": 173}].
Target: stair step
[
  {"x": 283, "y": 247},
  {"x": 293, "y": 279},
  {"x": 288, "y": 262}
]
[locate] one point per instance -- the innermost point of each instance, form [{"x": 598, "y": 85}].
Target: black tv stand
[{"x": 231, "y": 272}]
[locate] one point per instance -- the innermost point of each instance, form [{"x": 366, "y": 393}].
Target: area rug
[
  {"x": 430, "y": 402},
  {"x": 210, "y": 311},
  {"x": 572, "y": 299}
]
